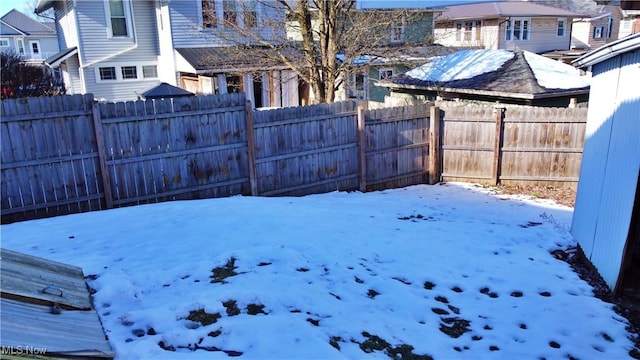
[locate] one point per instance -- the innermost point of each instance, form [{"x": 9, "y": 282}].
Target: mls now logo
[{"x": 22, "y": 350}]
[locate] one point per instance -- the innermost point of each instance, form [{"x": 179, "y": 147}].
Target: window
[
  {"x": 117, "y": 16},
  {"x": 468, "y": 30},
  {"x": 597, "y": 32},
  {"x": 129, "y": 72},
  {"x": 35, "y": 48},
  {"x": 609, "y": 27},
  {"x": 562, "y": 25},
  {"x": 107, "y": 73},
  {"x": 4, "y": 42},
  {"x": 126, "y": 72},
  {"x": 518, "y": 29},
  {"x": 209, "y": 16},
  {"x": 149, "y": 71},
  {"x": 230, "y": 12},
  {"x": 250, "y": 14},
  {"x": 20, "y": 47},
  {"x": 385, "y": 73},
  {"x": 397, "y": 31}
]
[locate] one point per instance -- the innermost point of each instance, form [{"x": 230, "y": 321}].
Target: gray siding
[
  {"x": 66, "y": 24},
  {"x": 188, "y": 32},
  {"x": 99, "y": 50},
  {"x": 610, "y": 165}
]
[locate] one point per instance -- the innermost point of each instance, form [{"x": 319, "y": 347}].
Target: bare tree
[{"x": 321, "y": 40}]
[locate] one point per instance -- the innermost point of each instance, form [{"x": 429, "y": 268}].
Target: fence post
[
  {"x": 251, "y": 148},
  {"x": 102, "y": 156},
  {"x": 362, "y": 160},
  {"x": 497, "y": 147},
  {"x": 434, "y": 145}
]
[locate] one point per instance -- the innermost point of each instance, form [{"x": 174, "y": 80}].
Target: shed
[
  {"x": 47, "y": 310},
  {"x": 512, "y": 77},
  {"x": 606, "y": 219}
]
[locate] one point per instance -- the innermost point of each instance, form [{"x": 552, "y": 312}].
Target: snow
[
  {"x": 553, "y": 74},
  {"x": 463, "y": 64},
  {"x": 341, "y": 267}
]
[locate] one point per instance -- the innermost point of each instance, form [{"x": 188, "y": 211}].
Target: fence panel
[
  {"x": 542, "y": 145},
  {"x": 468, "y": 137},
  {"x": 178, "y": 148},
  {"x": 49, "y": 157},
  {"x": 304, "y": 150},
  {"x": 396, "y": 146}
]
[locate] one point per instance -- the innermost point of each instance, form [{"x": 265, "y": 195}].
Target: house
[
  {"x": 34, "y": 41},
  {"x": 505, "y": 25},
  {"x": 489, "y": 75},
  {"x": 407, "y": 44},
  {"x": 606, "y": 218},
  {"x": 116, "y": 49},
  {"x": 630, "y": 22}
]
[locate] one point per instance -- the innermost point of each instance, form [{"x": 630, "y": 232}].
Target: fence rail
[{"x": 71, "y": 154}]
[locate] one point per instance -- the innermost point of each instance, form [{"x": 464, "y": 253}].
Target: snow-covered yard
[{"x": 447, "y": 271}]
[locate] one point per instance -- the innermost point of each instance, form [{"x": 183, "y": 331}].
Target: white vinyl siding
[
  {"x": 118, "y": 18},
  {"x": 188, "y": 31}
]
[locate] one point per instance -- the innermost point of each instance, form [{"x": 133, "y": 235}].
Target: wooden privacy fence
[
  {"x": 515, "y": 145},
  {"x": 71, "y": 154}
]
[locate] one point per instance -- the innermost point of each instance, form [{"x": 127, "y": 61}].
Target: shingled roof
[
  {"x": 20, "y": 24},
  {"x": 498, "y": 9},
  {"x": 223, "y": 59},
  {"x": 513, "y": 78}
]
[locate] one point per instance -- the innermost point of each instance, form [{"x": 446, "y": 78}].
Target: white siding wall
[
  {"x": 580, "y": 34},
  {"x": 186, "y": 24},
  {"x": 66, "y": 24},
  {"x": 610, "y": 164},
  {"x": 98, "y": 49},
  {"x": 543, "y": 36}
]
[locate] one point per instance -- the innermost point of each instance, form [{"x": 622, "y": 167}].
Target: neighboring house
[
  {"x": 505, "y": 25},
  {"x": 408, "y": 26},
  {"x": 630, "y": 23},
  {"x": 598, "y": 25},
  {"x": 512, "y": 77},
  {"x": 34, "y": 41},
  {"x": 116, "y": 49},
  {"x": 606, "y": 218}
]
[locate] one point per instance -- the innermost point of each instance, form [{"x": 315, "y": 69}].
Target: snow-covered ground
[{"x": 449, "y": 271}]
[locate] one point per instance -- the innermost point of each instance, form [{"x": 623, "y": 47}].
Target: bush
[{"x": 20, "y": 79}]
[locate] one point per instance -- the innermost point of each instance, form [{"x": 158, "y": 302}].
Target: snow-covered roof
[{"x": 504, "y": 71}]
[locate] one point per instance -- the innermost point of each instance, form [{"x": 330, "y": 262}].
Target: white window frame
[
  {"x": 598, "y": 32},
  {"x": 4, "y": 42},
  {"x": 562, "y": 21},
  {"x": 609, "y": 27},
  {"x": 510, "y": 29},
  {"x": 126, "y": 4},
  {"x": 118, "y": 69},
  {"x": 35, "y": 55},
  {"x": 386, "y": 70},
  {"x": 20, "y": 49},
  {"x": 461, "y": 30},
  {"x": 398, "y": 28}
]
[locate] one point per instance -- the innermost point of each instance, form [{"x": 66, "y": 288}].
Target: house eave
[
  {"x": 501, "y": 94},
  {"x": 608, "y": 51},
  {"x": 43, "y": 5}
]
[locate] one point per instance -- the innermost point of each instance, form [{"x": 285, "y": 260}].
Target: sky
[
  {"x": 451, "y": 271},
  {"x": 24, "y": 6}
]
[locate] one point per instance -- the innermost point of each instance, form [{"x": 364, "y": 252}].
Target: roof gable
[{"x": 27, "y": 25}]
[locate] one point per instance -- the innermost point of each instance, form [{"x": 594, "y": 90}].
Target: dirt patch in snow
[{"x": 564, "y": 196}]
